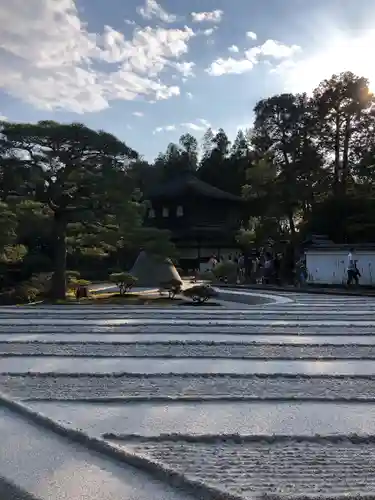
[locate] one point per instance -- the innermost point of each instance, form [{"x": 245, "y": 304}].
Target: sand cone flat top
[{"x": 151, "y": 270}]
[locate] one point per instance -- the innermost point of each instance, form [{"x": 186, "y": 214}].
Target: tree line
[
  {"x": 305, "y": 166},
  {"x": 75, "y": 198}
]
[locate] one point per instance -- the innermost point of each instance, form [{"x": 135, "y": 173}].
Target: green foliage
[
  {"x": 173, "y": 287},
  {"x": 156, "y": 242},
  {"x": 246, "y": 237},
  {"x": 200, "y": 293},
  {"x": 226, "y": 269},
  {"x": 207, "y": 276},
  {"x": 79, "y": 176},
  {"x": 26, "y": 293},
  {"x": 72, "y": 277},
  {"x": 81, "y": 283},
  {"x": 124, "y": 281},
  {"x": 12, "y": 254}
]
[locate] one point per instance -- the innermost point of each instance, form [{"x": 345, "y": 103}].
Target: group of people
[
  {"x": 269, "y": 268},
  {"x": 265, "y": 267},
  {"x": 276, "y": 268}
]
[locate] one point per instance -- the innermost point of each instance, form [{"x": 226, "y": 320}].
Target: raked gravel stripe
[
  {"x": 10, "y": 322},
  {"x": 288, "y": 469},
  {"x": 198, "y": 387},
  {"x": 190, "y": 418},
  {"x": 50, "y": 364},
  {"x": 187, "y": 329},
  {"x": 199, "y": 349},
  {"x": 217, "y": 338}
]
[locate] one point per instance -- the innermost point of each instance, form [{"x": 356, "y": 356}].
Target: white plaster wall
[{"x": 329, "y": 266}]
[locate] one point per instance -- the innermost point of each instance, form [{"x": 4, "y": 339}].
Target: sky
[{"x": 149, "y": 71}]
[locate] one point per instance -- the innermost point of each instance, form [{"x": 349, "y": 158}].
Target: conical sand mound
[{"x": 152, "y": 271}]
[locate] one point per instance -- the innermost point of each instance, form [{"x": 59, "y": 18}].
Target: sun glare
[{"x": 339, "y": 54}]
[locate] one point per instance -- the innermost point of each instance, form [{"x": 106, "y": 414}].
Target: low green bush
[
  {"x": 207, "y": 276},
  {"x": 125, "y": 281},
  {"x": 72, "y": 278},
  {"x": 21, "y": 294},
  {"x": 226, "y": 270},
  {"x": 26, "y": 293},
  {"x": 82, "y": 283},
  {"x": 200, "y": 293},
  {"x": 173, "y": 287}
]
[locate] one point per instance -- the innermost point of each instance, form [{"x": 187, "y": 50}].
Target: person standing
[
  {"x": 213, "y": 262},
  {"x": 351, "y": 269},
  {"x": 267, "y": 269},
  {"x": 241, "y": 268}
]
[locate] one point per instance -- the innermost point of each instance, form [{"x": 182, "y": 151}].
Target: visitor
[
  {"x": 212, "y": 263},
  {"x": 276, "y": 267},
  {"x": 301, "y": 272},
  {"x": 267, "y": 269},
  {"x": 352, "y": 270},
  {"x": 241, "y": 268}
]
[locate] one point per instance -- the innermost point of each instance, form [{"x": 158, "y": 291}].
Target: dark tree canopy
[{"x": 70, "y": 195}]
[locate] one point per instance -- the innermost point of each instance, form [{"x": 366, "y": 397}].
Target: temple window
[
  {"x": 180, "y": 211},
  {"x": 151, "y": 213},
  {"x": 165, "y": 212}
]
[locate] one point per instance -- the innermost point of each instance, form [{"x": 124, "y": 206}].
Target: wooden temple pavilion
[{"x": 203, "y": 219}]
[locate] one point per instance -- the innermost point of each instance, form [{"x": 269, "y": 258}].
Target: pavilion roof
[{"x": 190, "y": 184}]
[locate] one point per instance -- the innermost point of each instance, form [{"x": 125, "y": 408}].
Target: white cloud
[
  {"x": 189, "y": 95},
  {"x": 251, "y": 57},
  {"x": 185, "y": 68},
  {"x": 166, "y": 128},
  {"x": 153, "y": 9},
  {"x": 138, "y": 114},
  {"x": 204, "y": 122},
  {"x": 234, "y": 49},
  {"x": 209, "y": 31},
  {"x": 3, "y": 118},
  {"x": 214, "y": 16},
  {"x": 229, "y": 66},
  {"x": 193, "y": 126},
  {"x": 49, "y": 58},
  {"x": 200, "y": 125},
  {"x": 251, "y": 35},
  {"x": 278, "y": 50}
]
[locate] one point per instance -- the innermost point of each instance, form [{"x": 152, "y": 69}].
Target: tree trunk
[
  {"x": 58, "y": 291},
  {"x": 345, "y": 160},
  {"x": 336, "y": 175}
]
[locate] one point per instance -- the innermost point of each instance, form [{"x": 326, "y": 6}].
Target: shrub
[
  {"x": 82, "y": 283},
  {"x": 42, "y": 281},
  {"x": 26, "y": 292},
  {"x": 207, "y": 276},
  {"x": 72, "y": 277},
  {"x": 38, "y": 285},
  {"x": 200, "y": 293},
  {"x": 173, "y": 287},
  {"x": 226, "y": 270},
  {"x": 124, "y": 281}
]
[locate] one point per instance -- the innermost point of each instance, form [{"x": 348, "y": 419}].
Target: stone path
[{"x": 274, "y": 399}]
